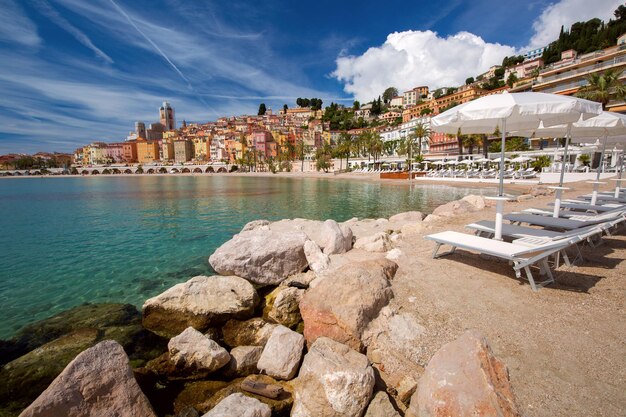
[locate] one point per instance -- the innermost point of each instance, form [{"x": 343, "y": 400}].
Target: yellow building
[
  {"x": 201, "y": 148},
  {"x": 147, "y": 151}
]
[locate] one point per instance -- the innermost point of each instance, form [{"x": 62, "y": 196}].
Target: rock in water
[
  {"x": 336, "y": 238},
  {"x": 191, "y": 349},
  {"x": 380, "y": 406},
  {"x": 464, "y": 379},
  {"x": 239, "y": 405},
  {"x": 341, "y": 306},
  {"x": 334, "y": 381},
  {"x": 201, "y": 302},
  {"x": 263, "y": 257},
  {"x": 282, "y": 353},
  {"x": 318, "y": 261},
  {"x": 98, "y": 382},
  {"x": 378, "y": 242}
]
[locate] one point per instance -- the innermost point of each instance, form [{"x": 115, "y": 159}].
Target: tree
[
  {"x": 301, "y": 150},
  {"x": 344, "y": 146},
  {"x": 425, "y": 111},
  {"x": 389, "y": 94},
  {"x": 323, "y": 156},
  {"x": 584, "y": 159},
  {"x": 262, "y": 109},
  {"x": 601, "y": 87},
  {"x": 542, "y": 161},
  {"x": 512, "y": 144},
  {"x": 470, "y": 141},
  {"x": 511, "y": 80},
  {"x": 469, "y": 80},
  {"x": 299, "y": 102},
  {"x": 420, "y": 132},
  {"x": 356, "y": 105},
  {"x": 285, "y": 107}
]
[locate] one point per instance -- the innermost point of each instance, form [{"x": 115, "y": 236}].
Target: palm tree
[
  {"x": 470, "y": 141},
  {"x": 601, "y": 87},
  {"x": 419, "y": 132}
]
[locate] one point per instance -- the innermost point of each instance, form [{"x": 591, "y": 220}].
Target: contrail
[
  {"x": 52, "y": 14},
  {"x": 156, "y": 47}
]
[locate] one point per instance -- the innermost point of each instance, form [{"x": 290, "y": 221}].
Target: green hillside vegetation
[{"x": 589, "y": 36}]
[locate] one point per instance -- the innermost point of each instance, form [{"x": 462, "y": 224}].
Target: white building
[{"x": 402, "y": 131}]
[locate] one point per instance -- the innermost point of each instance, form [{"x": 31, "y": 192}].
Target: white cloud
[
  {"x": 15, "y": 26},
  {"x": 411, "y": 58},
  {"x": 566, "y": 12}
]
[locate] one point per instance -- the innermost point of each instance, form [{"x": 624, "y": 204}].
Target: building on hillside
[
  {"x": 462, "y": 95},
  {"x": 260, "y": 141},
  {"x": 155, "y": 132},
  {"x": 96, "y": 153},
  {"x": 183, "y": 150},
  {"x": 390, "y": 116},
  {"x": 535, "y": 53},
  {"x": 201, "y": 148},
  {"x": 490, "y": 73},
  {"x": 167, "y": 152},
  {"x": 129, "y": 150},
  {"x": 140, "y": 130},
  {"x": 443, "y": 144},
  {"x": 114, "y": 152},
  {"x": 414, "y": 95},
  {"x": 525, "y": 69},
  {"x": 397, "y": 101},
  {"x": 148, "y": 151},
  {"x": 569, "y": 74},
  {"x": 166, "y": 116},
  {"x": 365, "y": 111}
]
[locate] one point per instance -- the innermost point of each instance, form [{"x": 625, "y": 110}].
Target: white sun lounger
[
  {"x": 575, "y": 205},
  {"x": 574, "y": 222},
  {"x": 518, "y": 253}
]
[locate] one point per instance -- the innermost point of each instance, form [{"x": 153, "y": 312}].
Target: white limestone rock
[
  {"x": 336, "y": 238},
  {"x": 318, "y": 261},
  {"x": 98, "y": 382},
  {"x": 334, "y": 381},
  {"x": 282, "y": 354},
  {"x": 379, "y": 242},
  {"x": 264, "y": 257},
  {"x": 191, "y": 349},
  {"x": 202, "y": 302},
  {"x": 239, "y": 405}
]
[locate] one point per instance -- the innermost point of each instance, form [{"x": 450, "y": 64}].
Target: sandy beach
[{"x": 564, "y": 345}]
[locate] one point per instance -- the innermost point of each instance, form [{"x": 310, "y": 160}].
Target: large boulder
[
  {"x": 379, "y": 242},
  {"x": 201, "y": 302},
  {"x": 408, "y": 216},
  {"x": 25, "y": 378},
  {"x": 256, "y": 224},
  {"x": 381, "y": 406},
  {"x": 253, "y": 332},
  {"x": 334, "y": 381},
  {"x": 264, "y": 257},
  {"x": 283, "y": 306},
  {"x": 98, "y": 382},
  {"x": 477, "y": 201},
  {"x": 318, "y": 260},
  {"x": 454, "y": 208},
  {"x": 396, "y": 348},
  {"x": 243, "y": 361},
  {"x": 464, "y": 379},
  {"x": 193, "y": 350},
  {"x": 282, "y": 354},
  {"x": 239, "y": 405},
  {"x": 342, "y": 305},
  {"x": 336, "y": 238}
]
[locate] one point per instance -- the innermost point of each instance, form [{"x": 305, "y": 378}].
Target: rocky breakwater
[{"x": 301, "y": 321}]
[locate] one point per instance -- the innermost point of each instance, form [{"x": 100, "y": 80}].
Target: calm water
[{"x": 66, "y": 241}]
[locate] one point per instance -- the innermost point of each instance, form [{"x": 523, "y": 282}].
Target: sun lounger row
[{"x": 534, "y": 246}]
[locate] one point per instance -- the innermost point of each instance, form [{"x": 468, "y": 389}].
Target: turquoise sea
[{"x": 67, "y": 241}]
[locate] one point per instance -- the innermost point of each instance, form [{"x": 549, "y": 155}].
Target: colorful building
[{"x": 147, "y": 151}]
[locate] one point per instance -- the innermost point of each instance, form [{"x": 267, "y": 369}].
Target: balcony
[{"x": 617, "y": 61}]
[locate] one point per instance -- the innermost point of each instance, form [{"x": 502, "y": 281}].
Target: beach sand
[{"x": 565, "y": 345}]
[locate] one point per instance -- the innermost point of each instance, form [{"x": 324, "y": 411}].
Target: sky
[{"x": 78, "y": 71}]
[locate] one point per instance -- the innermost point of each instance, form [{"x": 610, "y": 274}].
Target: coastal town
[{"x": 387, "y": 134}]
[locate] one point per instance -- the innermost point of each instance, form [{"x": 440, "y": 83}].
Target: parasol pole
[
  {"x": 500, "y": 199},
  {"x": 596, "y": 183},
  {"x": 619, "y": 178},
  {"x": 560, "y": 188}
]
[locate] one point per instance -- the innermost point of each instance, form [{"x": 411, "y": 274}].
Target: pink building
[
  {"x": 114, "y": 152},
  {"x": 261, "y": 140}
]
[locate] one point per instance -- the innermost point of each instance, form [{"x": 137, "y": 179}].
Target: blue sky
[{"x": 76, "y": 71}]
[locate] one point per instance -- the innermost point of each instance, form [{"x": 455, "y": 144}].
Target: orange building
[
  {"x": 147, "y": 151},
  {"x": 129, "y": 151}
]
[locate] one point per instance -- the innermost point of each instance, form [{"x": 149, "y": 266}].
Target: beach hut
[{"x": 510, "y": 112}]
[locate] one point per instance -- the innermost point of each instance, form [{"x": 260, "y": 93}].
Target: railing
[{"x": 589, "y": 68}]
